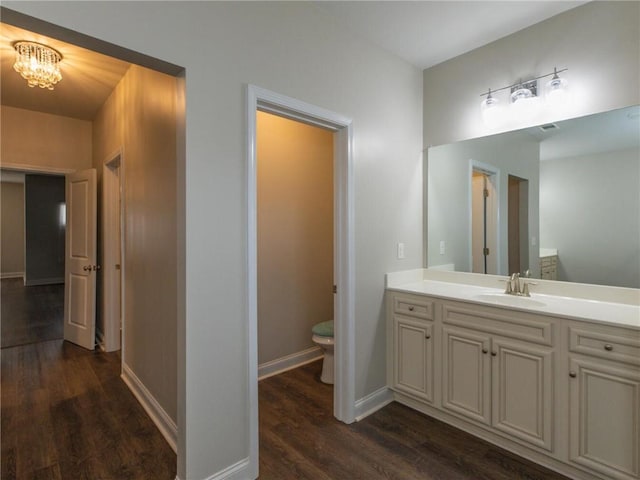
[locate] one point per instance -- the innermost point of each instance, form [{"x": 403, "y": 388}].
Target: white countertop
[{"x": 466, "y": 287}]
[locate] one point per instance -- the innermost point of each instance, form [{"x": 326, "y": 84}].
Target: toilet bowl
[{"x": 323, "y": 337}]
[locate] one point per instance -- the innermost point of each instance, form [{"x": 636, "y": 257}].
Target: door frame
[
  {"x": 112, "y": 214},
  {"x": 344, "y": 258},
  {"x": 494, "y": 172}
]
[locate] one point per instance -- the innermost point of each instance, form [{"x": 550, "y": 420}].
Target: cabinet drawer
[
  {"x": 520, "y": 325},
  {"x": 607, "y": 345},
  {"x": 413, "y": 306}
]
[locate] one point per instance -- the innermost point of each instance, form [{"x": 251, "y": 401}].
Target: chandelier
[{"x": 37, "y": 64}]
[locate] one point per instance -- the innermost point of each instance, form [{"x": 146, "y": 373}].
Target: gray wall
[
  {"x": 44, "y": 230},
  {"x": 590, "y": 212},
  {"x": 597, "y": 42},
  {"x": 12, "y": 229},
  {"x": 293, "y": 49}
]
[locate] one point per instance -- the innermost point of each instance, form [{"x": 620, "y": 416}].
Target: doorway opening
[
  {"x": 110, "y": 323},
  {"x": 262, "y": 100},
  {"x": 33, "y": 245},
  {"x": 295, "y": 240},
  {"x": 518, "y": 224},
  {"x": 484, "y": 219}
]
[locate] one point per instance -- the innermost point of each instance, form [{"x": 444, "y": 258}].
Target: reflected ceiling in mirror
[{"x": 567, "y": 201}]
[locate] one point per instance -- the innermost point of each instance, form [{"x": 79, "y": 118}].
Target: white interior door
[{"x": 80, "y": 259}]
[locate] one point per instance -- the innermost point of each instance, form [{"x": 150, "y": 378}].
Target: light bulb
[{"x": 490, "y": 110}]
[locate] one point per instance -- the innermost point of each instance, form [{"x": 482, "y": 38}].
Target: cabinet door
[
  {"x": 604, "y": 418},
  {"x": 413, "y": 372},
  {"x": 522, "y": 391},
  {"x": 466, "y": 374}
]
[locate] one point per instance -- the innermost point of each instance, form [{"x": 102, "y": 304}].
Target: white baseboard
[
  {"x": 43, "y": 281},
  {"x": 295, "y": 360},
  {"x": 237, "y": 471},
  {"x": 12, "y": 275},
  {"x": 157, "y": 414},
  {"x": 373, "y": 402}
]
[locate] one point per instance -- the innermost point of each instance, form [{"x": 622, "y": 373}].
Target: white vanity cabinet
[
  {"x": 560, "y": 391},
  {"x": 498, "y": 370},
  {"x": 604, "y": 399},
  {"x": 413, "y": 351}
]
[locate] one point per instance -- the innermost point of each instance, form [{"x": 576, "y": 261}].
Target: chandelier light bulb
[{"x": 38, "y": 64}]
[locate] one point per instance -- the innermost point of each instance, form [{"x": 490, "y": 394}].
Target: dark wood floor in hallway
[
  {"x": 30, "y": 314},
  {"x": 67, "y": 415},
  {"x": 300, "y": 439}
]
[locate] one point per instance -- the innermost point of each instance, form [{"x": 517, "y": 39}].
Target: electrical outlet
[{"x": 400, "y": 250}]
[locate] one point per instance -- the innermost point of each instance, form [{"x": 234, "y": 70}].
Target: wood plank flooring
[
  {"x": 300, "y": 439},
  {"x": 66, "y": 414},
  {"x": 30, "y": 314}
]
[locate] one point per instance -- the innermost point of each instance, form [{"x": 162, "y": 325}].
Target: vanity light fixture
[
  {"x": 524, "y": 100},
  {"x": 38, "y": 64}
]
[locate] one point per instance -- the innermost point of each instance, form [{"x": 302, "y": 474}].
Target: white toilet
[{"x": 323, "y": 336}]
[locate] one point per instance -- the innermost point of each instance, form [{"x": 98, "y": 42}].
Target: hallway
[
  {"x": 66, "y": 414},
  {"x": 65, "y": 411}
]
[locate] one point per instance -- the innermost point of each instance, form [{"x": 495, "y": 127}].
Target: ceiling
[
  {"x": 602, "y": 132},
  {"x": 88, "y": 78},
  {"x": 426, "y": 33},
  {"x": 423, "y": 33}
]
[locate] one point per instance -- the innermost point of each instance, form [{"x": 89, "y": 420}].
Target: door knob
[
  {"x": 96, "y": 267},
  {"x": 87, "y": 268}
]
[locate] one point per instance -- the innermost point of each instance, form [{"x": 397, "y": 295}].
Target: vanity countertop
[{"x": 608, "y": 305}]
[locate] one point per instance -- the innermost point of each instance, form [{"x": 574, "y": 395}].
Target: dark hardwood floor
[
  {"x": 30, "y": 314},
  {"x": 300, "y": 439},
  {"x": 66, "y": 414}
]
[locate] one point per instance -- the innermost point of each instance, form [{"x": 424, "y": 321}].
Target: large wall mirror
[{"x": 560, "y": 200}]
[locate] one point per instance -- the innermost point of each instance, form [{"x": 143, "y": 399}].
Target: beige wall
[
  {"x": 12, "y": 228},
  {"x": 140, "y": 118},
  {"x": 295, "y": 234},
  {"x": 35, "y": 139}
]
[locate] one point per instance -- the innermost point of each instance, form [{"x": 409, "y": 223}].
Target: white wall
[
  {"x": 597, "y": 42},
  {"x": 448, "y": 200},
  {"x": 293, "y": 49},
  {"x": 590, "y": 212}
]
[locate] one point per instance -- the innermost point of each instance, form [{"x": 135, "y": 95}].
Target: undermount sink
[{"x": 509, "y": 300}]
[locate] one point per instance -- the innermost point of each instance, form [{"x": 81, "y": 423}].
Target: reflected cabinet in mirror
[{"x": 561, "y": 201}]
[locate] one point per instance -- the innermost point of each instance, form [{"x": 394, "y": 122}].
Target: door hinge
[
  {"x": 485, "y": 251},
  {"x": 335, "y": 289},
  {"x": 485, "y": 192}
]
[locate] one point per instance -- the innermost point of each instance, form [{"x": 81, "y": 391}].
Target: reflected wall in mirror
[{"x": 567, "y": 201}]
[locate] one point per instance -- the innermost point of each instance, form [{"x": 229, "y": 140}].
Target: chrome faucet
[{"x": 517, "y": 287}]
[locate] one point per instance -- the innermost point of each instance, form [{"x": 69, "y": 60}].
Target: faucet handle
[
  {"x": 525, "y": 288},
  {"x": 508, "y": 288}
]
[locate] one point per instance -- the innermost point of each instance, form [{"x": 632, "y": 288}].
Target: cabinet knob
[
  {"x": 427, "y": 336},
  {"x": 484, "y": 350},
  {"x": 493, "y": 354},
  {"x": 572, "y": 374},
  {"x": 608, "y": 347},
  {"x": 411, "y": 307}
]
